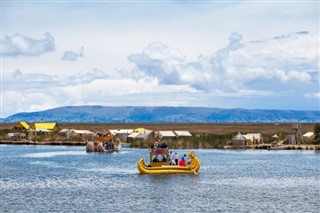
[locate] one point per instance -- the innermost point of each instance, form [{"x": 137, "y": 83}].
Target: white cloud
[
  {"x": 99, "y": 91},
  {"x": 292, "y": 57},
  {"x": 37, "y": 81},
  {"x": 315, "y": 95},
  {"x": 72, "y": 56},
  {"x": 300, "y": 76},
  {"x": 21, "y": 45},
  {"x": 239, "y": 74},
  {"x": 27, "y": 101},
  {"x": 158, "y": 61}
]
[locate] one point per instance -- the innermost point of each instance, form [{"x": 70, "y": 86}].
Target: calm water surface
[{"x": 67, "y": 179}]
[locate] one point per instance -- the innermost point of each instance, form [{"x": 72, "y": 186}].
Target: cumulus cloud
[
  {"x": 277, "y": 61},
  {"x": 21, "y": 45},
  {"x": 240, "y": 74},
  {"x": 158, "y": 61},
  {"x": 72, "y": 56}
]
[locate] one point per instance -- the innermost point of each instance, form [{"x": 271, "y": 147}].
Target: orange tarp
[{"x": 103, "y": 138}]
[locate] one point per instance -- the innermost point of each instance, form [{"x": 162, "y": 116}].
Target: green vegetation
[
  {"x": 317, "y": 131},
  {"x": 205, "y": 135}
]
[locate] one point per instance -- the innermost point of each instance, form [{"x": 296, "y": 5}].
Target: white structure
[
  {"x": 254, "y": 138},
  {"x": 64, "y": 131},
  {"x": 166, "y": 134},
  {"x": 82, "y": 134},
  {"x": 132, "y": 136},
  {"x": 308, "y": 136},
  {"x": 113, "y": 131},
  {"x": 238, "y": 140},
  {"x": 123, "y": 133},
  {"x": 183, "y": 134},
  {"x": 16, "y": 136},
  {"x": 77, "y": 131},
  {"x": 144, "y": 136}
]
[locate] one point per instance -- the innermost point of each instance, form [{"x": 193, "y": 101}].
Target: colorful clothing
[{"x": 182, "y": 162}]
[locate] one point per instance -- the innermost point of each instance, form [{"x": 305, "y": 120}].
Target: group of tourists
[
  {"x": 173, "y": 157},
  {"x": 109, "y": 145},
  {"x": 158, "y": 144}
]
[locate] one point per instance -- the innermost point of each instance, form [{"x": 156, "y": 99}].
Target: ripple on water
[
  {"x": 53, "y": 154},
  {"x": 111, "y": 170},
  {"x": 67, "y": 179}
]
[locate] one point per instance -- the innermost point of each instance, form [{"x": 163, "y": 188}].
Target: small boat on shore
[
  {"x": 277, "y": 148},
  {"x": 104, "y": 144},
  {"x": 156, "y": 168}
]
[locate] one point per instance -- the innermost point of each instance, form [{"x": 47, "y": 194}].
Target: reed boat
[
  {"x": 156, "y": 168},
  {"x": 277, "y": 148},
  {"x": 104, "y": 144}
]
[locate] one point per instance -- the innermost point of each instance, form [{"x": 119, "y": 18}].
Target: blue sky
[{"x": 236, "y": 54}]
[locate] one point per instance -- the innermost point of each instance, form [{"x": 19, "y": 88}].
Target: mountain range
[{"x": 70, "y": 114}]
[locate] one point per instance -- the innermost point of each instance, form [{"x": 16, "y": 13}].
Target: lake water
[{"x": 67, "y": 179}]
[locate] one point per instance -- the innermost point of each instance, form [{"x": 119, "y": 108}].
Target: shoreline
[
  {"x": 83, "y": 143},
  {"x": 62, "y": 143},
  {"x": 282, "y": 147}
]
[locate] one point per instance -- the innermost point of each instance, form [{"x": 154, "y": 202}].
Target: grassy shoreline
[
  {"x": 206, "y": 128},
  {"x": 205, "y": 135}
]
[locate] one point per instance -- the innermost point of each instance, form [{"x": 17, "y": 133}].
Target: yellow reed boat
[{"x": 163, "y": 167}]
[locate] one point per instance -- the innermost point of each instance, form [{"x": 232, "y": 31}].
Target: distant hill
[{"x": 162, "y": 114}]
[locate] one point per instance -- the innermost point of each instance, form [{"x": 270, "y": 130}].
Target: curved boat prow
[
  {"x": 90, "y": 146},
  {"x": 141, "y": 166},
  {"x": 117, "y": 147},
  {"x": 100, "y": 148},
  {"x": 102, "y": 145}
]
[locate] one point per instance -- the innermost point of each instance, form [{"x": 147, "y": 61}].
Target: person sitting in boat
[
  {"x": 155, "y": 159},
  {"x": 159, "y": 145},
  {"x": 176, "y": 158},
  {"x": 164, "y": 158},
  {"x": 182, "y": 162},
  {"x": 187, "y": 159},
  {"x": 151, "y": 147},
  {"x": 171, "y": 158},
  {"x": 164, "y": 146}
]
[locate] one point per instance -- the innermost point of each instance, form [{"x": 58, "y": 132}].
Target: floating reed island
[{"x": 273, "y": 136}]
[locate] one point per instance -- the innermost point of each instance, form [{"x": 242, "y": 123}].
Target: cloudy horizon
[{"x": 254, "y": 55}]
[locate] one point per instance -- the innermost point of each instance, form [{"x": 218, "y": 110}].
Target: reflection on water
[
  {"x": 53, "y": 154},
  {"x": 67, "y": 179}
]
